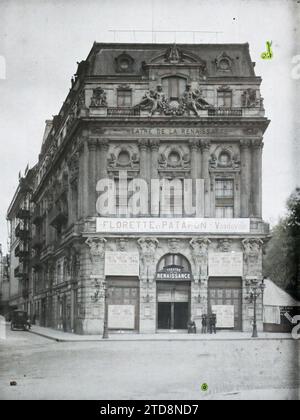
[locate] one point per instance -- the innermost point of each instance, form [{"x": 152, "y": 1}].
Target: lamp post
[
  {"x": 254, "y": 290},
  {"x": 105, "y": 329}
]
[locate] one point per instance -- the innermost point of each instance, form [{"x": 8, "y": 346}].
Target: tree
[{"x": 282, "y": 253}]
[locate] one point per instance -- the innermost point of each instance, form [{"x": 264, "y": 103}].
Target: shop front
[
  {"x": 225, "y": 300},
  {"x": 123, "y": 303}
]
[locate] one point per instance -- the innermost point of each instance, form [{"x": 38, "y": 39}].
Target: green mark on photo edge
[{"x": 204, "y": 387}]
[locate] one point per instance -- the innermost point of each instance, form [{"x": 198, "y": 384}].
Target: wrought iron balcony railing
[
  {"x": 35, "y": 261},
  {"x": 36, "y": 216},
  {"x": 23, "y": 214},
  {"x": 20, "y": 270},
  {"x": 22, "y": 231},
  {"x": 123, "y": 111},
  {"x": 22, "y": 253},
  {"x": 58, "y": 216},
  {"x": 225, "y": 112},
  {"x": 37, "y": 241}
]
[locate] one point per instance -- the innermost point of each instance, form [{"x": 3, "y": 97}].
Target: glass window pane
[
  {"x": 124, "y": 98},
  {"x": 224, "y": 212},
  {"x": 225, "y": 99}
]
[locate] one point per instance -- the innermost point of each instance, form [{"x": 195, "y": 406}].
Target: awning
[{"x": 275, "y": 296}]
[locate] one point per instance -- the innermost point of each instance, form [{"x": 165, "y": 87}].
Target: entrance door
[
  {"x": 122, "y": 291},
  {"x": 181, "y": 315},
  {"x": 173, "y": 305},
  {"x": 43, "y": 313},
  {"x": 226, "y": 291},
  {"x": 164, "y": 314}
]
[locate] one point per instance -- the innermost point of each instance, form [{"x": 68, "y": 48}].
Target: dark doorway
[
  {"x": 164, "y": 311},
  {"x": 181, "y": 313},
  {"x": 172, "y": 315}
]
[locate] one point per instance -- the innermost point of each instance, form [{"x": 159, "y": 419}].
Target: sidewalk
[{"x": 61, "y": 336}]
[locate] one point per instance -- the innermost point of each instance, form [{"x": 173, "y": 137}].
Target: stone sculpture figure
[
  {"x": 99, "y": 98},
  {"x": 200, "y": 255},
  {"x": 153, "y": 100},
  {"x": 193, "y": 100},
  {"x": 148, "y": 248},
  {"x": 249, "y": 98}
]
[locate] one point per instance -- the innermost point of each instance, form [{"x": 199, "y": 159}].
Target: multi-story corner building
[
  {"x": 4, "y": 283},
  {"x": 18, "y": 216},
  {"x": 152, "y": 112}
]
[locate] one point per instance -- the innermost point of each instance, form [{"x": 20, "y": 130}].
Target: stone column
[
  {"x": 154, "y": 193},
  {"x": 205, "y": 145},
  {"x": 245, "y": 177},
  {"x": 200, "y": 248},
  {"x": 194, "y": 150},
  {"x": 154, "y": 144},
  {"x": 144, "y": 163},
  {"x": 147, "y": 250},
  {"x": 91, "y": 297},
  {"x": 103, "y": 145},
  {"x": 92, "y": 146},
  {"x": 143, "y": 146},
  {"x": 83, "y": 178},
  {"x": 256, "y": 198}
]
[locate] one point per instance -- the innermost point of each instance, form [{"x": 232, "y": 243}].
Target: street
[{"x": 45, "y": 369}]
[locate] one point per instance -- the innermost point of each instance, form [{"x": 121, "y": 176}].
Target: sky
[{"x": 41, "y": 41}]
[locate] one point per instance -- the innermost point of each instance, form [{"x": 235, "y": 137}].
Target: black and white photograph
[{"x": 149, "y": 202}]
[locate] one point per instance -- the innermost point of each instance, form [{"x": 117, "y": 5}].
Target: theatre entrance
[{"x": 173, "y": 293}]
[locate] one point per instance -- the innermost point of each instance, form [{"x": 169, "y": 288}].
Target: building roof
[
  {"x": 102, "y": 57},
  {"x": 275, "y": 296}
]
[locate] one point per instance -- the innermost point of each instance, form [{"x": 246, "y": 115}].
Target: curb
[{"x": 65, "y": 340}]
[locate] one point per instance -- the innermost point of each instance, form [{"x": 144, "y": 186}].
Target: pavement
[
  {"x": 61, "y": 336},
  {"x": 150, "y": 369}
]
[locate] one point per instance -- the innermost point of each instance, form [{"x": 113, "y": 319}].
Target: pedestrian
[
  {"x": 213, "y": 323},
  {"x": 209, "y": 324},
  {"x": 191, "y": 327},
  {"x": 204, "y": 324}
]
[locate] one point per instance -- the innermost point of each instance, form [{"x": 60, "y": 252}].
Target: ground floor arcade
[{"x": 154, "y": 284}]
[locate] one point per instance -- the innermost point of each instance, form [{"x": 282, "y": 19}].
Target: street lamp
[
  {"x": 254, "y": 290},
  {"x": 105, "y": 327}
]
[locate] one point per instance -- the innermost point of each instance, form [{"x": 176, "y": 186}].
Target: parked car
[{"x": 19, "y": 320}]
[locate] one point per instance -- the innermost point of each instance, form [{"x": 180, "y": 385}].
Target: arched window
[
  {"x": 174, "y": 87},
  {"x": 174, "y": 260}
]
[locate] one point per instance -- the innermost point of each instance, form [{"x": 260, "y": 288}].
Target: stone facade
[{"x": 158, "y": 112}]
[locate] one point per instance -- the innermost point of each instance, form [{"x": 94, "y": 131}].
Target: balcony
[
  {"x": 22, "y": 253},
  {"x": 37, "y": 242},
  {"x": 23, "y": 214},
  {"x": 225, "y": 112},
  {"x": 36, "y": 262},
  {"x": 36, "y": 216},
  {"x": 25, "y": 293},
  {"x": 122, "y": 111},
  {"x": 58, "y": 215},
  {"x": 22, "y": 232},
  {"x": 20, "y": 271},
  {"x": 209, "y": 112}
]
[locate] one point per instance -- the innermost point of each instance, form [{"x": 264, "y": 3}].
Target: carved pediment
[{"x": 176, "y": 55}]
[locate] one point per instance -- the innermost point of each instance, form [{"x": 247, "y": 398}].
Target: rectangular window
[
  {"x": 224, "y": 188},
  {"x": 173, "y": 87},
  {"x": 224, "y": 98},
  {"x": 124, "y": 97},
  {"x": 123, "y": 198},
  {"x": 172, "y": 198},
  {"x": 224, "y": 198},
  {"x": 224, "y": 212}
]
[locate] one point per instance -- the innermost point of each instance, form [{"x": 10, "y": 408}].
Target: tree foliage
[{"x": 282, "y": 253}]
